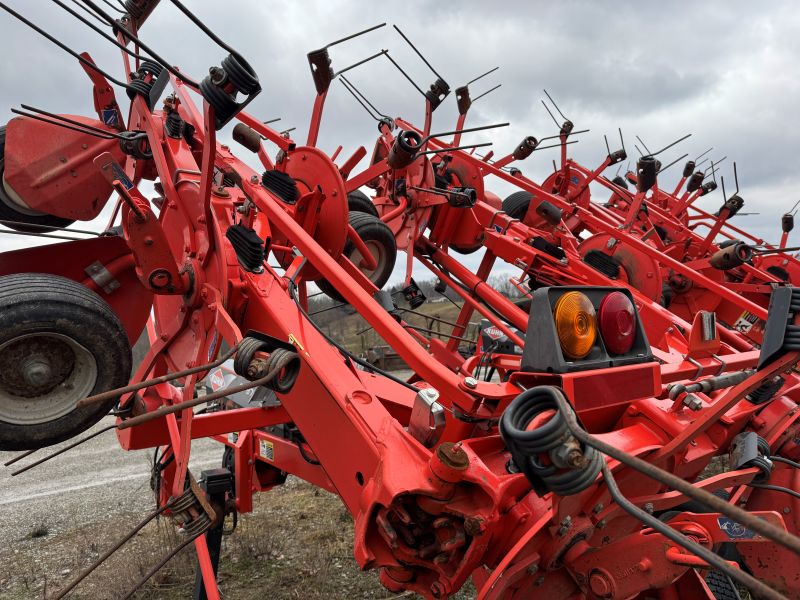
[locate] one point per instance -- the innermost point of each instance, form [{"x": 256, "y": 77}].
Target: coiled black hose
[{"x": 552, "y": 439}]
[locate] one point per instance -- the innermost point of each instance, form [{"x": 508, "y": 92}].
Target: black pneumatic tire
[
  {"x": 8, "y": 211},
  {"x": 358, "y": 201},
  {"x": 721, "y": 586},
  {"x": 373, "y": 232},
  {"x": 51, "y": 309},
  {"x": 516, "y": 205}
]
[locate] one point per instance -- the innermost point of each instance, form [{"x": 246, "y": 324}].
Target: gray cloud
[{"x": 724, "y": 71}]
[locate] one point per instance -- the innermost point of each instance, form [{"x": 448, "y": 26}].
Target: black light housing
[{"x": 543, "y": 351}]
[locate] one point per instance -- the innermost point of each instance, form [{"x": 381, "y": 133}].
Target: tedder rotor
[{"x": 566, "y": 457}]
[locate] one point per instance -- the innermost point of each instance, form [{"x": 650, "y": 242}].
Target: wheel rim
[
  {"x": 378, "y": 253},
  {"x": 42, "y": 377},
  {"x": 10, "y": 198}
]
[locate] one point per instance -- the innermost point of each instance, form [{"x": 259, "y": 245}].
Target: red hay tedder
[{"x": 563, "y": 459}]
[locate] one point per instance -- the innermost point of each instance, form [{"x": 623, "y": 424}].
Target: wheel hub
[
  {"x": 377, "y": 252},
  {"x": 42, "y": 377},
  {"x": 37, "y": 371}
]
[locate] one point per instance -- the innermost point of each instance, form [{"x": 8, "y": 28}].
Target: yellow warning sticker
[{"x": 266, "y": 450}]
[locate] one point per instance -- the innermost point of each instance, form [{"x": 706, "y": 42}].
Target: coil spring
[
  {"x": 761, "y": 462},
  {"x": 241, "y": 74},
  {"x": 134, "y": 9},
  {"x": 245, "y": 354},
  {"x": 223, "y": 103},
  {"x": 528, "y": 446},
  {"x": 289, "y": 363},
  {"x": 138, "y": 85},
  {"x": 182, "y": 507},
  {"x": 791, "y": 341},
  {"x": 149, "y": 67},
  {"x": 236, "y": 71}
]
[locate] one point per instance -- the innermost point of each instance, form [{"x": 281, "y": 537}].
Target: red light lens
[{"x": 617, "y": 323}]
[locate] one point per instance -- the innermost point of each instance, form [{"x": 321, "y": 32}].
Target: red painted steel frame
[{"x": 427, "y": 518}]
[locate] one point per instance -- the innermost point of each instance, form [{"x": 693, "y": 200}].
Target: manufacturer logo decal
[{"x": 734, "y": 530}]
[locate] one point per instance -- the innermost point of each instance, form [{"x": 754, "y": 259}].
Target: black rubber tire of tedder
[
  {"x": 358, "y": 201},
  {"x": 721, "y": 586},
  {"x": 372, "y": 231},
  {"x": 17, "y": 220},
  {"x": 516, "y": 205},
  {"x": 38, "y": 304}
]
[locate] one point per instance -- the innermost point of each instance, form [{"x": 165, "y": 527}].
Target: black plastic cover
[
  {"x": 320, "y": 63},
  {"x": 780, "y": 315},
  {"x": 617, "y": 156},
  {"x": 438, "y": 92},
  {"x": 708, "y": 187},
  {"x": 695, "y": 181},
  {"x": 646, "y": 171},
  {"x": 542, "y": 244},
  {"x": 787, "y": 222},
  {"x": 250, "y": 249},
  {"x": 463, "y": 100},
  {"x": 620, "y": 181},
  {"x": 524, "y": 148}
]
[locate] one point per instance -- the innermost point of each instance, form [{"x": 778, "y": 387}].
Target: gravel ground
[
  {"x": 58, "y": 518},
  {"x": 97, "y": 478},
  {"x": 59, "y": 513}
]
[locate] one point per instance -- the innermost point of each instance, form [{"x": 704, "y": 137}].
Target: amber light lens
[
  {"x": 576, "y": 324},
  {"x": 617, "y": 323}
]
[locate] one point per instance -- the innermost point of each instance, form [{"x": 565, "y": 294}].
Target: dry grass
[{"x": 297, "y": 543}]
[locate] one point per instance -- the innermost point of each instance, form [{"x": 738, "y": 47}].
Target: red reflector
[{"x": 617, "y": 323}]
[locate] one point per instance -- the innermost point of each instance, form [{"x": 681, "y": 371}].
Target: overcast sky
[{"x": 724, "y": 71}]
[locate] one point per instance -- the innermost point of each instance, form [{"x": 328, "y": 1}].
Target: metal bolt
[
  {"x": 532, "y": 569},
  {"x": 539, "y": 581},
  {"x": 565, "y": 526},
  {"x": 601, "y": 524},
  {"x": 254, "y": 179},
  {"x": 597, "y": 508},
  {"x": 36, "y": 370},
  {"x": 692, "y": 402},
  {"x": 600, "y": 585},
  {"x": 786, "y": 510},
  {"x": 470, "y": 382},
  {"x": 648, "y": 508}
]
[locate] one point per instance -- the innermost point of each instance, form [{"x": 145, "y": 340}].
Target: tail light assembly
[{"x": 579, "y": 328}]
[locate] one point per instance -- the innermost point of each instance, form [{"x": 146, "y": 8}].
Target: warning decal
[
  {"x": 745, "y": 322},
  {"x": 266, "y": 450}
]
